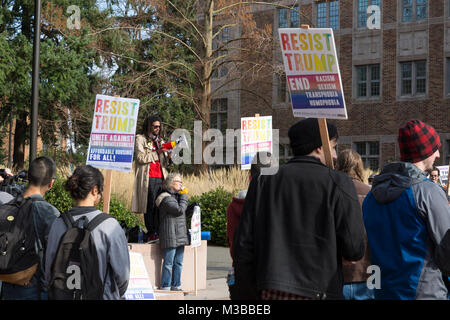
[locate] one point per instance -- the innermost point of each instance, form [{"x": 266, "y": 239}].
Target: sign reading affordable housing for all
[
  {"x": 111, "y": 145},
  {"x": 139, "y": 286},
  {"x": 312, "y": 72},
  {"x": 256, "y": 136}
]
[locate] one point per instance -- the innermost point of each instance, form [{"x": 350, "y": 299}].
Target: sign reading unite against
[
  {"x": 111, "y": 144},
  {"x": 312, "y": 72}
]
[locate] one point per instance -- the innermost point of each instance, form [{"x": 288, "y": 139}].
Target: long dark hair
[
  {"x": 148, "y": 123},
  {"x": 83, "y": 180}
]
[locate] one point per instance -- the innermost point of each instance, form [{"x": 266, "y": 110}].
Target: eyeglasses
[{"x": 178, "y": 181}]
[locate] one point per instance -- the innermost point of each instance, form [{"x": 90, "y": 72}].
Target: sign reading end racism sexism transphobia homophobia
[
  {"x": 312, "y": 72},
  {"x": 111, "y": 145}
]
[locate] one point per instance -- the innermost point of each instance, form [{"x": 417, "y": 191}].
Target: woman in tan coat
[
  {"x": 355, "y": 274},
  {"x": 150, "y": 162}
]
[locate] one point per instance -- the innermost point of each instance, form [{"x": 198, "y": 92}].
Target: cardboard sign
[
  {"x": 196, "y": 228},
  {"x": 312, "y": 72},
  {"x": 139, "y": 286},
  {"x": 111, "y": 145},
  {"x": 256, "y": 136},
  {"x": 443, "y": 174}
]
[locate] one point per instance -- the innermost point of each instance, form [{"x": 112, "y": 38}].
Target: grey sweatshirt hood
[{"x": 394, "y": 179}]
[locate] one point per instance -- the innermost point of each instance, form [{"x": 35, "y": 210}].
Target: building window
[
  {"x": 368, "y": 81},
  {"x": 362, "y": 11},
  {"x": 219, "y": 43},
  {"x": 447, "y": 157},
  {"x": 414, "y": 10},
  {"x": 448, "y": 76},
  {"x": 288, "y": 18},
  {"x": 218, "y": 114},
  {"x": 328, "y": 14},
  {"x": 370, "y": 153},
  {"x": 285, "y": 153},
  {"x": 413, "y": 78}
]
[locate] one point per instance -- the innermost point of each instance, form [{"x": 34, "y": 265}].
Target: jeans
[
  {"x": 358, "y": 291},
  {"x": 171, "y": 271},
  {"x": 16, "y": 292}
]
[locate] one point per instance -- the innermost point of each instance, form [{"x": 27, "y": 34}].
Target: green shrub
[
  {"x": 214, "y": 206},
  {"x": 62, "y": 200},
  {"x": 59, "y": 197}
]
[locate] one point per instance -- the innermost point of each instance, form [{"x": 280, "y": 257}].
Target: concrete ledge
[{"x": 151, "y": 253}]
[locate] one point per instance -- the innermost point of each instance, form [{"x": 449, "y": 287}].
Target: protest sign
[
  {"x": 443, "y": 174},
  {"x": 312, "y": 72},
  {"x": 196, "y": 229},
  {"x": 139, "y": 286},
  {"x": 111, "y": 145},
  {"x": 256, "y": 136}
]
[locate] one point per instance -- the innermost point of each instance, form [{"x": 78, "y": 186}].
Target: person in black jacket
[
  {"x": 299, "y": 225},
  {"x": 173, "y": 235}
]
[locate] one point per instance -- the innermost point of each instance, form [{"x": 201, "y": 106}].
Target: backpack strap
[
  {"x": 68, "y": 219},
  {"x": 97, "y": 220}
]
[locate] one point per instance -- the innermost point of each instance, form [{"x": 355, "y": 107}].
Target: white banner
[{"x": 196, "y": 228}]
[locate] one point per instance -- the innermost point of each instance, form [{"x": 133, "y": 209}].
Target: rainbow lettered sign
[
  {"x": 312, "y": 72},
  {"x": 256, "y": 136},
  {"x": 111, "y": 145}
]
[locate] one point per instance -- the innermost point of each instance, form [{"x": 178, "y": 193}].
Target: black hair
[
  {"x": 83, "y": 180},
  {"x": 255, "y": 169},
  {"x": 148, "y": 122},
  {"x": 41, "y": 171}
]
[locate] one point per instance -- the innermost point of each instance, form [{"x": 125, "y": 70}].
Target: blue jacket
[{"x": 407, "y": 219}]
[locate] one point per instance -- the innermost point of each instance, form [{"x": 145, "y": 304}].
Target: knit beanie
[
  {"x": 304, "y": 136},
  {"x": 417, "y": 141}
]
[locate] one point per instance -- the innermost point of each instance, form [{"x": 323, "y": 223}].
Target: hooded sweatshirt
[{"x": 407, "y": 219}]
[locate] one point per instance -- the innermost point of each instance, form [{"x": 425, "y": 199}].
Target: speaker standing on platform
[{"x": 150, "y": 171}]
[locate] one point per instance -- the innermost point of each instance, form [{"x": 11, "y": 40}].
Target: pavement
[{"x": 218, "y": 261}]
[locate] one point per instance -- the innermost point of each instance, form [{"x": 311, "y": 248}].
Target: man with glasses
[
  {"x": 41, "y": 176},
  {"x": 150, "y": 171}
]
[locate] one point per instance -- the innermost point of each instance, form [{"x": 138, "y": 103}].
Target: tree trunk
[{"x": 205, "y": 103}]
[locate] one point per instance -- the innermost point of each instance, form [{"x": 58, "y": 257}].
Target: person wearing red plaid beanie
[
  {"x": 419, "y": 142},
  {"x": 407, "y": 221}
]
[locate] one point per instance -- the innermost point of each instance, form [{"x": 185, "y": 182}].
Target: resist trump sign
[{"x": 312, "y": 72}]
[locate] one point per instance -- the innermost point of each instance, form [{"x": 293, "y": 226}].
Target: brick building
[{"x": 390, "y": 75}]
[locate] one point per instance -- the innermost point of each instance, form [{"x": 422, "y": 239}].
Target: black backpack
[
  {"x": 20, "y": 248},
  {"x": 75, "y": 269}
]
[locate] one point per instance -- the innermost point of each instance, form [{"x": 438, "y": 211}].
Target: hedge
[{"x": 213, "y": 205}]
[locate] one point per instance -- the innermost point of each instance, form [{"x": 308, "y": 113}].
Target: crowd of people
[
  {"x": 311, "y": 232},
  {"x": 307, "y": 232}
]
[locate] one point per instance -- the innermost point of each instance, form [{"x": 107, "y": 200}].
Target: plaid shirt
[{"x": 280, "y": 295}]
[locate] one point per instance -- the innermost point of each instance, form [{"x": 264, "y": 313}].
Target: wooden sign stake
[
  {"x": 107, "y": 191},
  {"x": 325, "y": 142},
  {"x": 324, "y": 131},
  {"x": 195, "y": 271}
]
